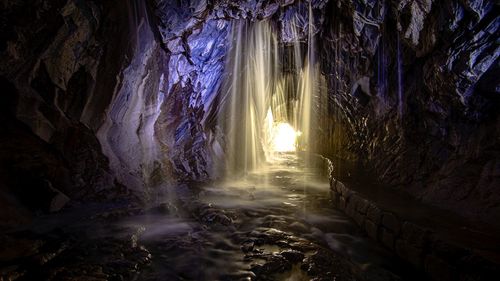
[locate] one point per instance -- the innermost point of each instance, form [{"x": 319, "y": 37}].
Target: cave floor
[{"x": 273, "y": 224}]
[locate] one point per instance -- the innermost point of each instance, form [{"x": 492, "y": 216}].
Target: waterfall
[
  {"x": 252, "y": 68},
  {"x": 308, "y": 86},
  {"x": 269, "y": 102}
]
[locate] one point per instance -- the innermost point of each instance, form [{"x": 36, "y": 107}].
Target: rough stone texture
[
  {"x": 391, "y": 222},
  {"x": 432, "y": 128},
  {"x": 52, "y": 54},
  {"x": 127, "y": 93},
  {"x": 374, "y": 213},
  {"x": 121, "y": 96},
  {"x": 359, "y": 218},
  {"x": 408, "y": 252},
  {"x": 415, "y": 234},
  {"x": 101, "y": 94},
  {"x": 371, "y": 229},
  {"x": 195, "y": 36},
  {"x": 442, "y": 255},
  {"x": 127, "y": 134},
  {"x": 388, "y": 238}
]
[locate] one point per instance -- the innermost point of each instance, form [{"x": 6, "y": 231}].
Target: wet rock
[
  {"x": 247, "y": 246},
  {"x": 142, "y": 256},
  {"x": 415, "y": 235},
  {"x": 388, "y": 238},
  {"x": 371, "y": 229},
  {"x": 164, "y": 208},
  {"x": 324, "y": 266},
  {"x": 302, "y": 245},
  {"x": 215, "y": 216},
  {"x": 362, "y": 206},
  {"x": 269, "y": 235},
  {"x": 240, "y": 276},
  {"x": 390, "y": 221},
  {"x": 292, "y": 256},
  {"x": 359, "y": 218},
  {"x": 274, "y": 265},
  {"x": 400, "y": 130}
]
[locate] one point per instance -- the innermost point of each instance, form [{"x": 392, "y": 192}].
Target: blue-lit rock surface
[
  {"x": 112, "y": 145},
  {"x": 127, "y": 96}
]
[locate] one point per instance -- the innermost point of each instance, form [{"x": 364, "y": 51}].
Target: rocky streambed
[{"x": 273, "y": 224}]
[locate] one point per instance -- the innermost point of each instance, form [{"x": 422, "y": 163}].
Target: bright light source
[{"x": 284, "y": 137}]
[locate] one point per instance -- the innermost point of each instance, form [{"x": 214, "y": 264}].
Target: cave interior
[{"x": 250, "y": 140}]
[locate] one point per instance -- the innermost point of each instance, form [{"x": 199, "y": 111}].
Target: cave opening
[{"x": 249, "y": 140}]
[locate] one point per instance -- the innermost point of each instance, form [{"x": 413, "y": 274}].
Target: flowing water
[
  {"x": 271, "y": 218},
  {"x": 251, "y": 71},
  {"x": 267, "y": 95},
  {"x": 276, "y": 223}
]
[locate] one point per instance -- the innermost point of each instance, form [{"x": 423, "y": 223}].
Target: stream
[{"x": 276, "y": 223}]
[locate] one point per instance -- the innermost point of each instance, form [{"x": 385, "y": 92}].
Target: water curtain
[{"x": 268, "y": 110}]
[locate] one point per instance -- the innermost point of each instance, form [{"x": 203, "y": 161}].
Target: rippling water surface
[{"x": 276, "y": 223}]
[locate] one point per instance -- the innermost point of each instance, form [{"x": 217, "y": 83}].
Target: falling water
[
  {"x": 306, "y": 86},
  {"x": 252, "y": 70},
  {"x": 268, "y": 109}
]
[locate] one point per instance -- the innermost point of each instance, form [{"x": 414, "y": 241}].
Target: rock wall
[
  {"x": 127, "y": 134},
  {"x": 195, "y": 36},
  {"x": 55, "y": 57},
  {"x": 414, "y": 97},
  {"x": 106, "y": 97},
  {"x": 84, "y": 84},
  {"x": 433, "y": 245},
  {"x": 103, "y": 95}
]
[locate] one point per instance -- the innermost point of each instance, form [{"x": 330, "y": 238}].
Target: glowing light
[{"x": 284, "y": 137}]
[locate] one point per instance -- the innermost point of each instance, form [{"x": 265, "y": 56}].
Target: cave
[{"x": 250, "y": 140}]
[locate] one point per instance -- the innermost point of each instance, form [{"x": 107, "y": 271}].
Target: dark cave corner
[{"x": 135, "y": 143}]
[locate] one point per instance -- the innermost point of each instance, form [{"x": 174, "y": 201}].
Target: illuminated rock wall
[
  {"x": 109, "y": 97},
  {"x": 414, "y": 97}
]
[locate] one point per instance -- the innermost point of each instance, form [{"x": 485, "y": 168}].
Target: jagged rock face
[
  {"x": 432, "y": 128},
  {"x": 108, "y": 95},
  {"x": 195, "y": 36},
  {"x": 56, "y": 56},
  {"x": 119, "y": 93}
]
